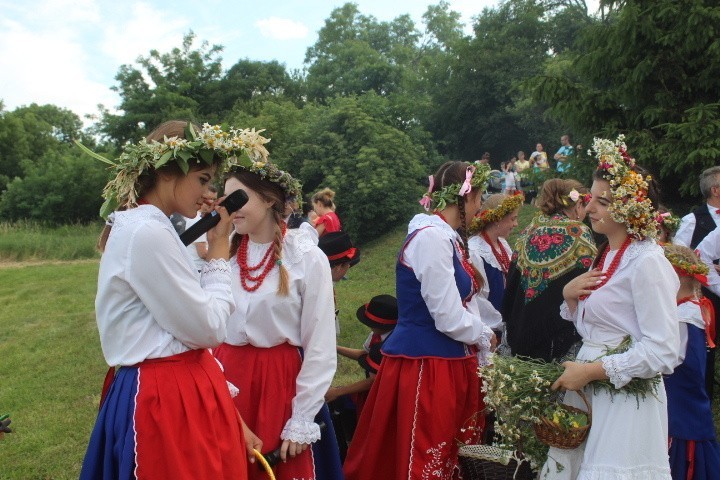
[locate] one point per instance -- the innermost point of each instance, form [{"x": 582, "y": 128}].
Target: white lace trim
[
  {"x": 138, "y": 215},
  {"x": 233, "y": 389},
  {"x": 636, "y": 249},
  {"x": 423, "y": 220},
  {"x": 216, "y": 271},
  {"x": 301, "y": 431},
  {"x": 615, "y": 367},
  {"x": 297, "y": 243},
  {"x": 638, "y": 472},
  {"x": 478, "y": 243},
  {"x": 565, "y": 312}
]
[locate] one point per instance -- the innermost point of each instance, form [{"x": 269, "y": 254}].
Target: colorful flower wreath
[
  {"x": 270, "y": 172},
  {"x": 669, "y": 221},
  {"x": 204, "y": 146},
  {"x": 476, "y": 176},
  {"x": 488, "y": 216},
  {"x": 685, "y": 268},
  {"x": 630, "y": 204}
]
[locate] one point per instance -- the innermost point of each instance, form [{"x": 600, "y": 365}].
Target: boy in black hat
[
  {"x": 341, "y": 253},
  {"x": 380, "y": 314}
]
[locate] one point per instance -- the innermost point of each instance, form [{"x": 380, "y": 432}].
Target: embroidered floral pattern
[
  {"x": 440, "y": 464},
  {"x": 550, "y": 247}
]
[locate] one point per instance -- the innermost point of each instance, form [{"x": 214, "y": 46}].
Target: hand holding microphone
[{"x": 233, "y": 202}]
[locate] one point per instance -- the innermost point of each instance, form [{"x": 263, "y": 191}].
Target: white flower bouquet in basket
[{"x": 518, "y": 390}]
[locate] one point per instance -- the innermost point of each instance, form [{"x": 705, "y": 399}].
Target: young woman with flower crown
[
  {"x": 167, "y": 412},
  {"x": 426, "y": 396},
  {"x": 694, "y": 449},
  {"x": 280, "y": 347},
  {"x": 554, "y": 248},
  {"x": 490, "y": 252},
  {"x": 630, "y": 292}
]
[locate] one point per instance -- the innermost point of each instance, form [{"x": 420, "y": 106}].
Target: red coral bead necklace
[
  {"x": 499, "y": 253},
  {"x": 246, "y": 271},
  {"x": 613, "y": 265}
]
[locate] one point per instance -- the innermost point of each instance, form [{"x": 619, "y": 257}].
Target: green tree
[
  {"x": 652, "y": 71},
  {"x": 29, "y": 133},
  {"x": 162, "y": 87},
  {"x": 355, "y": 54}
]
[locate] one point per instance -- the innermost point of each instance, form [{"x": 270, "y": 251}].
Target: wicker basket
[
  {"x": 555, "y": 436},
  {"x": 485, "y": 462}
]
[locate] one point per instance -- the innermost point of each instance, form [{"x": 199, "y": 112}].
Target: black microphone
[{"x": 232, "y": 203}]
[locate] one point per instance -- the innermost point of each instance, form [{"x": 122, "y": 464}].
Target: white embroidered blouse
[
  {"x": 481, "y": 252},
  {"x": 151, "y": 302},
  {"x": 638, "y": 300},
  {"x": 305, "y": 318}
]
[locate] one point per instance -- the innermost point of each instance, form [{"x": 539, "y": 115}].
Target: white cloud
[
  {"x": 147, "y": 28},
  {"x": 43, "y": 66},
  {"x": 281, "y": 28}
]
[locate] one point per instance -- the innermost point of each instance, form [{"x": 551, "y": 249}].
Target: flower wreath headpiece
[
  {"x": 669, "y": 221},
  {"x": 488, "y": 216},
  {"x": 698, "y": 270},
  {"x": 630, "y": 204},
  {"x": 476, "y": 176},
  {"x": 270, "y": 172},
  {"x": 203, "y": 146}
]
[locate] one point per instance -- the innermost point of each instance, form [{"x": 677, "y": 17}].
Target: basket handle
[{"x": 582, "y": 395}]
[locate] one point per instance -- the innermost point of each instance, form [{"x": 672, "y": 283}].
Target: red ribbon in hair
[{"x": 708, "y": 314}]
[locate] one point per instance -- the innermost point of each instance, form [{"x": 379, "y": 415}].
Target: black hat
[
  {"x": 339, "y": 248},
  {"x": 370, "y": 362},
  {"x": 380, "y": 312}
]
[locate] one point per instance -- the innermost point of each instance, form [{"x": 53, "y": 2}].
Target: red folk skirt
[
  {"x": 168, "y": 417},
  {"x": 416, "y": 413},
  {"x": 266, "y": 378}
]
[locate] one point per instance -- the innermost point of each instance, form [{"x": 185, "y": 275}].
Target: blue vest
[
  {"x": 415, "y": 335},
  {"x": 496, "y": 283}
]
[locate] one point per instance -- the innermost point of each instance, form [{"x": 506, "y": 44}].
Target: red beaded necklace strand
[
  {"x": 499, "y": 253},
  {"x": 613, "y": 265},
  {"x": 268, "y": 261},
  {"x": 467, "y": 266}
]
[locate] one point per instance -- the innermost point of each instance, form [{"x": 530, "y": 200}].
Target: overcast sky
[{"x": 67, "y": 52}]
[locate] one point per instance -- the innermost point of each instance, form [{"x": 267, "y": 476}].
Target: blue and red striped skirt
[{"x": 169, "y": 417}]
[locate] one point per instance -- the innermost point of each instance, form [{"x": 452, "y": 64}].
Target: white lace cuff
[
  {"x": 615, "y": 368},
  {"x": 215, "y": 271},
  {"x": 565, "y": 312},
  {"x": 301, "y": 431}
]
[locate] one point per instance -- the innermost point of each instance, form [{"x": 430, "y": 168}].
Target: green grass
[
  {"x": 51, "y": 367},
  {"x": 31, "y": 241}
]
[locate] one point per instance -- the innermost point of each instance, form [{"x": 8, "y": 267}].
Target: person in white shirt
[
  {"x": 157, "y": 317},
  {"x": 198, "y": 250},
  {"x": 631, "y": 291},
  {"x": 696, "y": 225},
  {"x": 280, "y": 346},
  {"x": 426, "y": 396}
]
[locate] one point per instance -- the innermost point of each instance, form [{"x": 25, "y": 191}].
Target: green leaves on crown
[
  {"x": 448, "y": 195},
  {"x": 232, "y": 146}
]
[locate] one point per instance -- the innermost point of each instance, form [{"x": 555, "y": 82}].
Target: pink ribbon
[
  {"x": 466, "y": 186},
  {"x": 426, "y": 200}
]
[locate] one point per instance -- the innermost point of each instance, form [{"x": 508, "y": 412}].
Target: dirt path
[{"x": 4, "y": 264}]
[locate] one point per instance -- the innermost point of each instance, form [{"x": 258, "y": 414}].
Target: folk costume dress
[
  {"x": 694, "y": 449},
  {"x": 549, "y": 253},
  {"x": 494, "y": 272},
  {"x": 280, "y": 351},
  {"x": 426, "y": 396},
  {"x": 168, "y": 412},
  {"x": 628, "y": 437}
]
